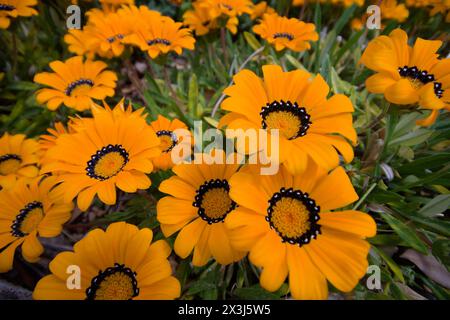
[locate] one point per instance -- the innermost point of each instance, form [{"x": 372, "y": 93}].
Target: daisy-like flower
[
  {"x": 260, "y": 9},
  {"x": 231, "y": 8},
  {"x": 408, "y": 75},
  {"x": 199, "y": 19},
  {"x": 112, "y": 149},
  {"x": 46, "y": 141},
  {"x": 159, "y": 36},
  {"x": 75, "y": 83},
  {"x": 310, "y": 126},
  {"x": 76, "y": 41},
  {"x": 286, "y": 224},
  {"x": 113, "y": 5},
  {"x": 226, "y": 12},
  {"x": 390, "y": 9},
  {"x": 15, "y": 8},
  {"x": 18, "y": 159},
  {"x": 28, "y": 211},
  {"x": 120, "y": 263},
  {"x": 348, "y": 3},
  {"x": 282, "y": 32},
  {"x": 107, "y": 31},
  {"x": 198, "y": 205},
  {"x": 165, "y": 130},
  {"x": 358, "y": 23},
  {"x": 442, "y": 7}
]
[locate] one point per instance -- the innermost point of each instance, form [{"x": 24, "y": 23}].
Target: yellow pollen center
[
  {"x": 416, "y": 83},
  {"x": 285, "y": 121},
  {"x": 216, "y": 203},
  {"x": 9, "y": 166},
  {"x": 117, "y": 286},
  {"x": 32, "y": 220},
  {"x": 166, "y": 142},
  {"x": 290, "y": 217},
  {"x": 109, "y": 164}
]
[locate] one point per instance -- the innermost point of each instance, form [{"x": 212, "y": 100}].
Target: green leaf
[
  {"x": 406, "y": 233},
  {"x": 252, "y": 41},
  {"x": 344, "y": 18},
  {"x": 349, "y": 44},
  {"x": 412, "y": 138},
  {"x": 441, "y": 250},
  {"x": 193, "y": 96},
  {"x": 440, "y": 226},
  {"x": 296, "y": 63},
  {"x": 391, "y": 264},
  {"x": 436, "y": 206},
  {"x": 200, "y": 286},
  {"x": 387, "y": 240},
  {"x": 254, "y": 293},
  {"x": 421, "y": 164}
]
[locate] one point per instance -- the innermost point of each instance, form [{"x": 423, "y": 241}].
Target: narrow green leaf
[
  {"x": 391, "y": 264},
  {"x": 252, "y": 41},
  {"x": 193, "y": 96},
  {"x": 406, "y": 233},
  {"x": 441, "y": 250},
  {"x": 436, "y": 206}
]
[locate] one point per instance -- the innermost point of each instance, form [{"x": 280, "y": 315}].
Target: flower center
[
  {"x": 168, "y": 140},
  {"x": 213, "y": 201},
  {"x": 9, "y": 163},
  {"x": 28, "y": 219},
  {"x": 285, "y": 35},
  {"x": 226, "y": 6},
  {"x": 159, "y": 41},
  {"x": 293, "y": 215},
  {"x": 418, "y": 78},
  {"x": 114, "y": 283},
  {"x": 118, "y": 36},
  {"x": 6, "y": 7},
  {"x": 107, "y": 162},
  {"x": 78, "y": 87},
  {"x": 290, "y": 119}
]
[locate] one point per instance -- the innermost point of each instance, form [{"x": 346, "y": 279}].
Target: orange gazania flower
[
  {"x": 160, "y": 35},
  {"x": 283, "y": 32},
  {"x": 75, "y": 83},
  {"x": 106, "y": 32},
  {"x": 15, "y": 8},
  {"x": 113, "y": 5},
  {"x": 198, "y": 204},
  {"x": 29, "y": 210},
  {"x": 105, "y": 152},
  {"x": 287, "y": 224},
  {"x": 199, "y": 19},
  {"x": 408, "y": 75},
  {"x": 165, "y": 130},
  {"x": 121, "y": 263},
  {"x": 76, "y": 41},
  {"x": 311, "y": 126},
  {"x": 260, "y": 9},
  {"x": 19, "y": 159},
  {"x": 390, "y": 9}
]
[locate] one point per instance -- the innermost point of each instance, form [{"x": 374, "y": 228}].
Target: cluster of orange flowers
[
  {"x": 91, "y": 156},
  {"x": 107, "y": 33},
  {"x": 286, "y": 223}
]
